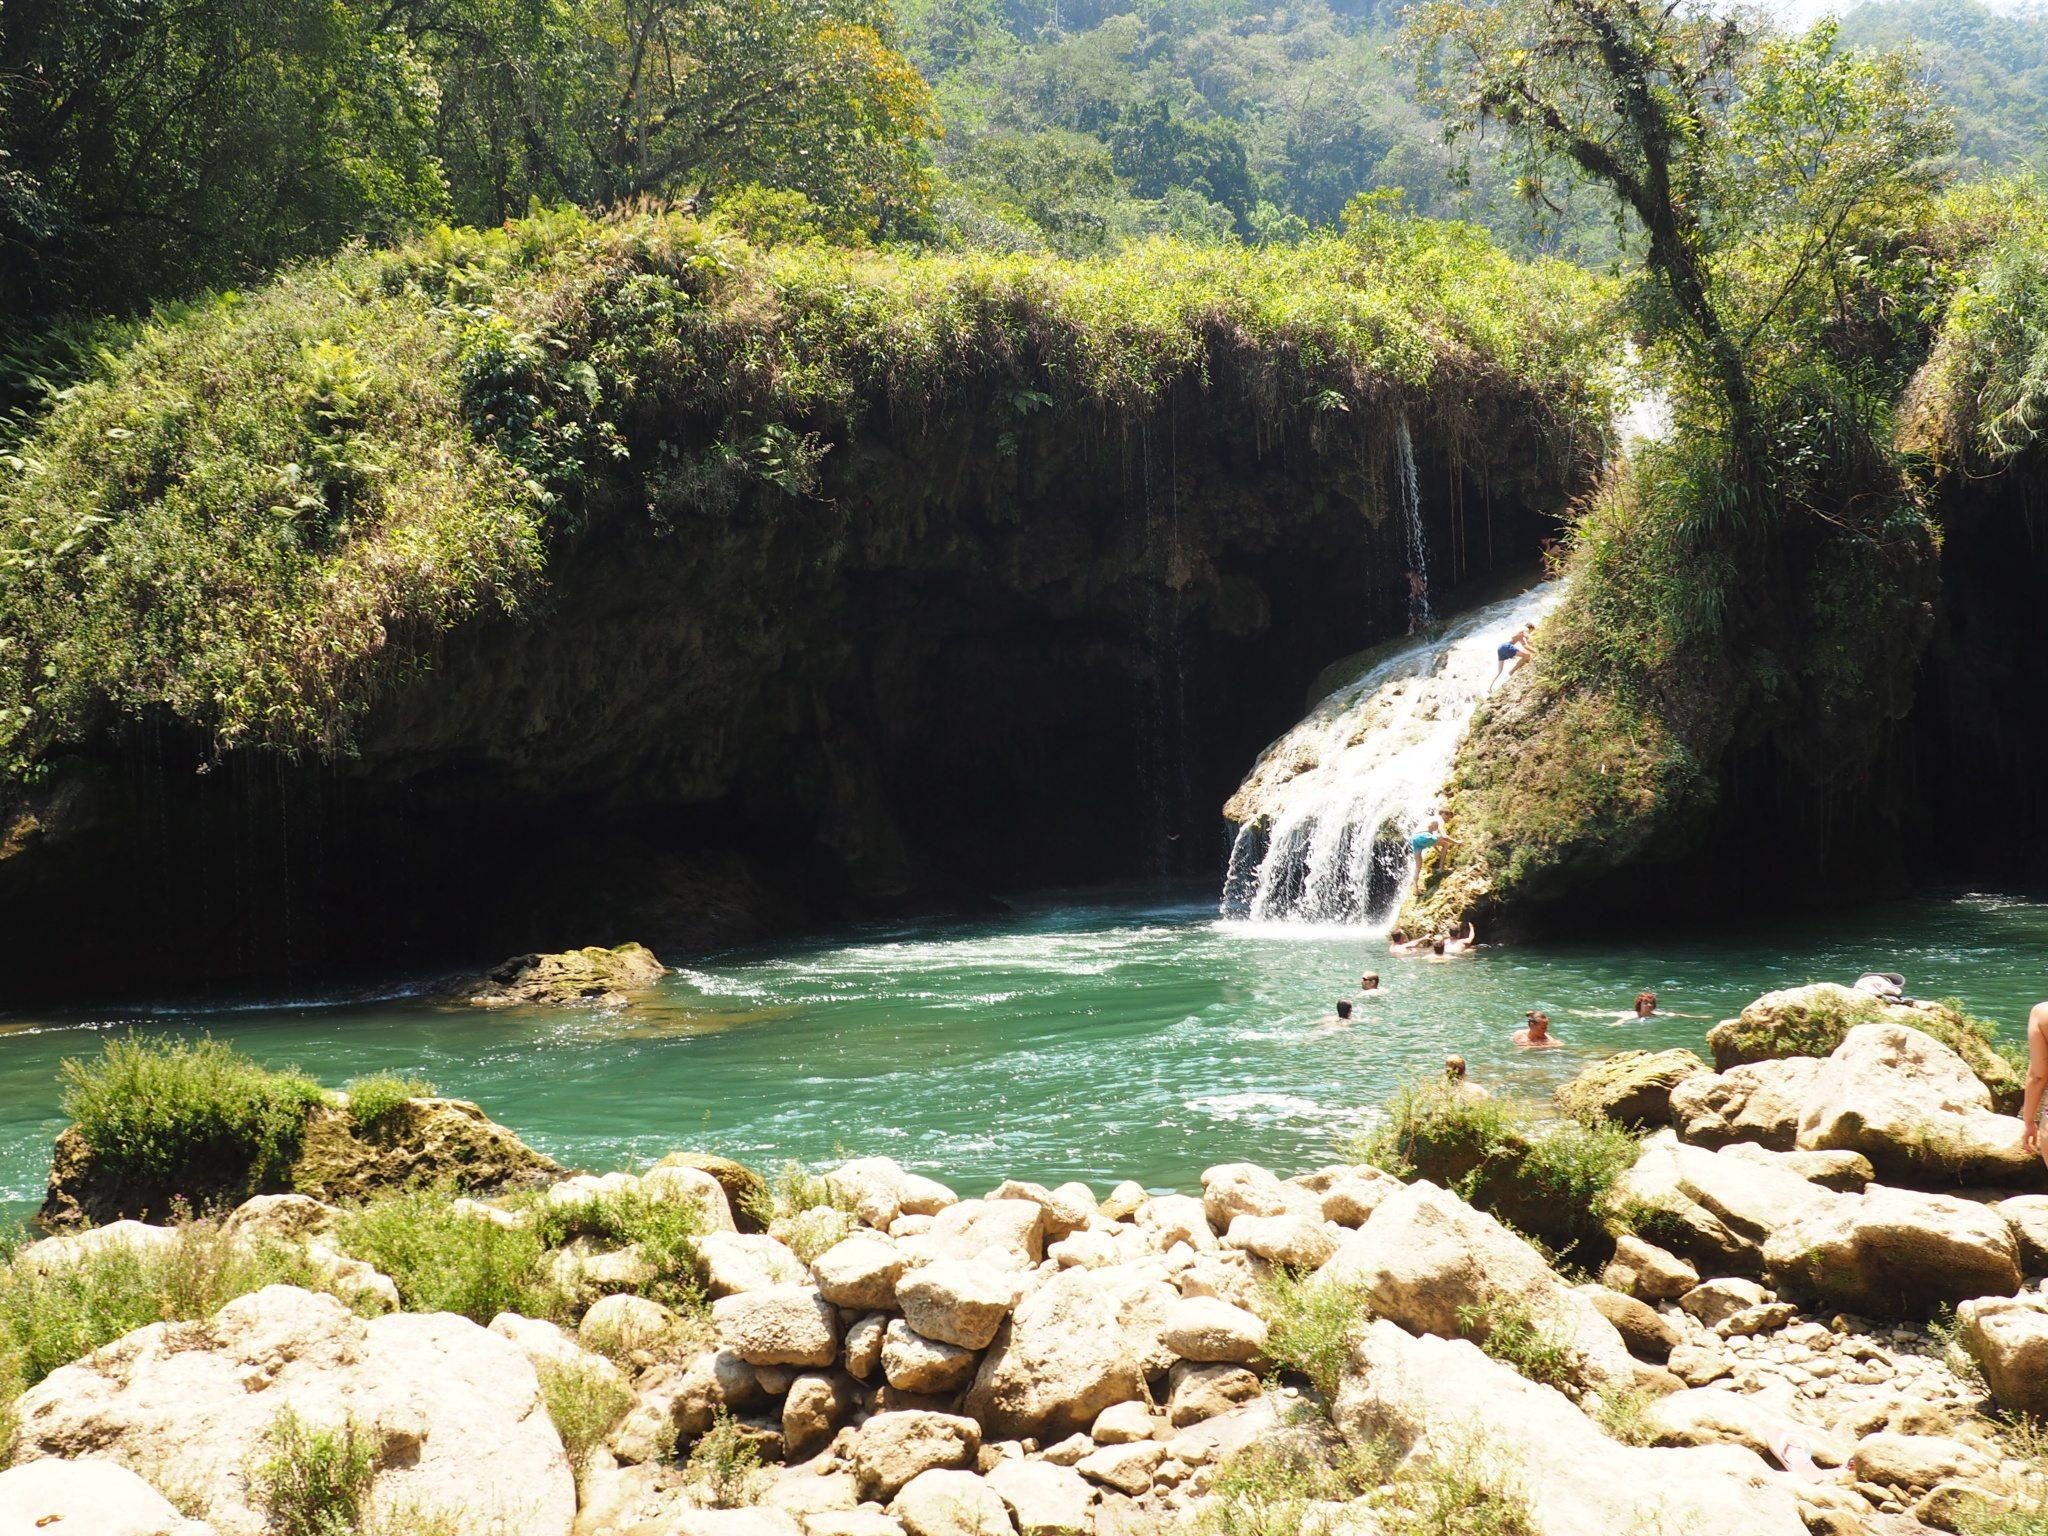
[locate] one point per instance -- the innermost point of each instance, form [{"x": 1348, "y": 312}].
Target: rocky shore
[{"x": 1812, "y": 1303}]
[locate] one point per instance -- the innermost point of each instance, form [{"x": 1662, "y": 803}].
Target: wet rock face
[
  {"x": 958, "y": 670},
  {"x": 592, "y": 977}
]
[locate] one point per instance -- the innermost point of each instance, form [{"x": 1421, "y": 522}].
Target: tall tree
[{"x": 1711, "y": 135}]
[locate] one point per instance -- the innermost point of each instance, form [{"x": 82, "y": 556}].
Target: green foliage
[
  {"x": 1273, "y": 1488},
  {"x": 1546, "y": 1178},
  {"x": 1813, "y": 1025},
  {"x": 266, "y": 506},
  {"x": 166, "y": 1113},
  {"x": 586, "y": 1403},
  {"x": 1539, "y": 1348},
  {"x": 444, "y": 1260},
  {"x": 725, "y": 1463},
  {"x": 1460, "y": 1491},
  {"x": 371, "y": 1099},
  {"x": 11, "y": 1388},
  {"x": 316, "y": 1480},
  {"x": 664, "y": 1231},
  {"x": 52, "y": 1313},
  {"x": 1311, "y": 1326},
  {"x": 1624, "y": 1413}
]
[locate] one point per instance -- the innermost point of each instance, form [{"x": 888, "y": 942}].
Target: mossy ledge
[{"x": 780, "y": 567}]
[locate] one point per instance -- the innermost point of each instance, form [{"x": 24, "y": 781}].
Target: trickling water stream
[
  {"x": 1325, "y": 814},
  {"x": 1419, "y": 611}
]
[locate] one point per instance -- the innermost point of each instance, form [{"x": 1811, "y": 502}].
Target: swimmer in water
[
  {"x": 1535, "y": 1035},
  {"x": 1454, "y": 1079},
  {"x": 1645, "y": 1008},
  {"x": 1369, "y": 985}
]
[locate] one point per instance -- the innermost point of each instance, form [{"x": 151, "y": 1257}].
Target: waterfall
[
  {"x": 1325, "y": 815},
  {"x": 1419, "y": 612}
]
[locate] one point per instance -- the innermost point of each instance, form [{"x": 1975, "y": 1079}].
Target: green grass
[
  {"x": 315, "y": 1481},
  {"x": 11, "y": 1388},
  {"x": 725, "y": 1464},
  {"x": 1272, "y": 1488},
  {"x": 443, "y": 1260},
  {"x": 665, "y": 1232},
  {"x": 586, "y": 1403},
  {"x": 190, "y": 1114},
  {"x": 1311, "y": 1327},
  {"x": 265, "y": 504},
  {"x": 50, "y": 1320},
  {"x": 372, "y": 1099},
  {"x": 1549, "y": 1179},
  {"x": 1515, "y": 1336}
]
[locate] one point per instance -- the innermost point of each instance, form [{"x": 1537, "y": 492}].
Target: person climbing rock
[
  {"x": 1512, "y": 653},
  {"x": 1424, "y": 843},
  {"x": 2037, "y": 1079},
  {"x": 1535, "y": 1035}
]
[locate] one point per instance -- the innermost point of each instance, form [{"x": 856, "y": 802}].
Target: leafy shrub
[
  {"x": 50, "y": 1319},
  {"x": 187, "y": 1113},
  {"x": 444, "y": 1260},
  {"x": 790, "y": 1191},
  {"x": 1311, "y": 1326},
  {"x": 665, "y": 1232},
  {"x": 1461, "y": 1491},
  {"x": 1624, "y": 1414},
  {"x": 372, "y": 1098},
  {"x": 315, "y": 1481},
  {"x": 11, "y": 1388},
  {"x": 586, "y": 1402},
  {"x": 1548, "y": 1179},
  {"x": 1271, "y": 1488},
  {"x": 725, "y": 1463},
  {"x": 1515, "y": 1336}
]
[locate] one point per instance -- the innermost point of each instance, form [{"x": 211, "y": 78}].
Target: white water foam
[{"x": 1326, "y": 813}]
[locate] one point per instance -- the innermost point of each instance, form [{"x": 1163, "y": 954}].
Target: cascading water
[
  {"x": 1419, "y": 612},
  {"x": 1325, "y": 815}
]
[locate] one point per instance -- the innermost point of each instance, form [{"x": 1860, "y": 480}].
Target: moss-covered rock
[
  {"x": 1632, "y": 1087},
  {"x": 1812, "y": 1020},
  {"x": 745, "y": 1190},
  {"x": 442, "y": 1143},
  {"x": 592, "y": 977}
]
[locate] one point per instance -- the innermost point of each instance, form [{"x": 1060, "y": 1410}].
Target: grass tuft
[
  {"x": 725, "y": 1464},
  {"x": 664, "y": 1231},
  {"x": 187, "y": 1113},
  {"x": 1512, "y": 1334},
  {"x": 443, "y": 1260},
  {"x": 315, "y": 1481},
  {"x": 372, "y": 1099},
  {"x": 1311, "y": 1327},
  {"x": 49, "y": 1319},
  {"x": 586, "y": 1402}
]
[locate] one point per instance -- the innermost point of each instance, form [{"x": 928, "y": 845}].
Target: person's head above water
[
  {"x": 1454, "y": 1068},
  {"x": 1344, "y": 1008},
  {"x": 1436, "y": 946},
  {"x": 1539, "y": 1023},
  {"x": 1646, "y": 1004},
  {"x": 1369, "y": 982}
]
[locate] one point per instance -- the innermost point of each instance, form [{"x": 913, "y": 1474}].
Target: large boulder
[
  {"x": 1757, "y": 1102},
  {"x": 957, "y": 1301},
  {"x": 1632, "y": 1087},
  {"x": 442, "y": 1142},
  {"x": 2008, "y": 1337},
  {"x": 1895, "y": 1253},
  {"x": 1812, "y": 1020},
  {"x": 1916, "y": 1110},
  {"x": 945, "y": 1503},
  {"x": 746, "y": 1192},
  {"x": 781, "y": 1325},
  {"x": 592, "y": 977},
  {"x": 455, "y": 1411},
  {"x": 1431, "y": 1263},
  {"x": 892, "y": 1448},
  {"x": 1441, "y": 1402},
  {"x": 92, "y": 1497},
  {"x": 1084, "y": 1339},
  {"x": 1713, "y": 1208}
]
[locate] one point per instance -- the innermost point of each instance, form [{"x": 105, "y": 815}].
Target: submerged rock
[{"x": 592, "y": 977}]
